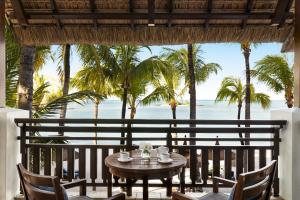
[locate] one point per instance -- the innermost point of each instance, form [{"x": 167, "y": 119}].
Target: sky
[{"x": 227, "y": 55}]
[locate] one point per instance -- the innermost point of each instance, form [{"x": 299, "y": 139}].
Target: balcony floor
[{"x": 154, "y": 193}]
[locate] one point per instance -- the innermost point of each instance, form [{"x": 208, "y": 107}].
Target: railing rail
[{"x": 227, "y": 159}]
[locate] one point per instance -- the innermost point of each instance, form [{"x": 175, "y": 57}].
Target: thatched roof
[{"x": 150, "y": 21}]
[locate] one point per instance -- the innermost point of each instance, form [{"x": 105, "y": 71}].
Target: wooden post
[
  {"x": 2, "y": 54},
  {"x": 297, "y": 55}
]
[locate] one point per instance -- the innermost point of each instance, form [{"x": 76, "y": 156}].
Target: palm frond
[
  {"x": 275, "y": 72},
  {"x": 12, "y": 67},
  {"x": 53, "y": 107}
]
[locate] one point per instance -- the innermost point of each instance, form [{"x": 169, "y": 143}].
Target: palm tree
[
  {"x": 31, "y": 58},
  {"x": 246, "y": 48},
  {"x": 128, "y": 66},
  {"x": 276, "y": 73},
  {"x": 180, "y": 58},
  {"x": 65, "y": 75},
  {"x": 47, "y": 104},
  {"x": 136, "y": 94},
  {"x": 234, "y": 91},
  {"x": 93, "y": 75},
  {"x": 192, "y": 67},
  {"x": 25, "y": 88},
  {"x": 167, "y": 88},
  {"x": 192, "y": 87}
]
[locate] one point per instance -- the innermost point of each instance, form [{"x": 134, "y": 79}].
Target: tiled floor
[{"x": 154, "y": 193}]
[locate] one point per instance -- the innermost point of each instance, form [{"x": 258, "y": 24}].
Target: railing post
[
  {"x": 275, "y": 157},
  {"x": 23, "y": 149},
  {"x": 129, "y": 148},
  {"x": 129, "y": 137},
  {"x": 169, "y": 139}
]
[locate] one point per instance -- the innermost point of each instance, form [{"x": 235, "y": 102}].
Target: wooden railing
[{"x": 229, "y": 158}]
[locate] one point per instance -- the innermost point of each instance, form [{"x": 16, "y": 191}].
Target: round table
[{"x": 145, "y": 170}]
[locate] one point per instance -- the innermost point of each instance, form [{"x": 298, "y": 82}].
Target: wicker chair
[
  {"x": 38, "y": 187},
  {"x": 255, "y": 185}
]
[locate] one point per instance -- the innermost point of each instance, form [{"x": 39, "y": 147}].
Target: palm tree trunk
[
  {"x": 66, "y": 84},
  {"x": 174, "y": 113},
  {"x": 132, "y": 112},
  {"x": 192, "y": 88},
  {"x": 25, "y": 88},
  {"x": 96, "y": 117},
  {"x": 289, "y": 97},
  {"x": 246, "y": 53},
  {"x": 173, "y": 108},
  {"x": 239, "y": 117}
]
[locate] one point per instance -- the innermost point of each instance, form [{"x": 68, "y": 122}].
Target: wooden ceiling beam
[
  {"x": 209, "y": 9},
  {"x": 151, "y": 10},
  {"x": 170, "y": 10},
  {"x": 81, "y": 25},
  {"x": 92, "y": 6},
  {"x": 131, "y": 10},
  {"x": 250, "y": 4},
  {"x": 19, "y": 11},
  {"x": 289, "y": 6},
  {"x": 281, "y": 12},
  {"x": 93, "y": 9},
  {"x": 136, "y": 16},
  {"x": 54, "y": 10}
]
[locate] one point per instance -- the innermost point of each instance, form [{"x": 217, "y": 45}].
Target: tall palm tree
[
  {"x": 167, "y": 88},
  {"x": 180, "y": 58},
  {"x": 25, "y": 88},
  {"x": 65, "y": 54},
  {"x": 192, "y": 87},
  {"x": 246, "y": 48},
  {"x": 93, "y": 75},
  {"x": 128, "y": 66},
  {"x": 136, "y": 94},
  {"x": 31, "y": 58},
  {"x": 192, "y": 67},
  {"x": 234, "y": 92},
  {"x": 276, "y": 73}
]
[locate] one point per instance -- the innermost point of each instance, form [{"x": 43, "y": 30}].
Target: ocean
[{"x": 206, "y": 109}]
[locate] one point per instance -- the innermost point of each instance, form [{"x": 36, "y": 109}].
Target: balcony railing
[{"x": 201, "y": 141}]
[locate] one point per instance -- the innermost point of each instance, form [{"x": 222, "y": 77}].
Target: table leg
[
  {"x": 109, "y": 184},
  {"x": 169, "y": 186},
  {"x": 129, "y": 187},
  {"x": 145, "y": 188},
  {"x": 182, "y": 181}
]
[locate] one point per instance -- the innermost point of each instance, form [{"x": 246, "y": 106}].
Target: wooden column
[
  {"x": 297, "y": 55},
  {"x": 2, "y": 54}
]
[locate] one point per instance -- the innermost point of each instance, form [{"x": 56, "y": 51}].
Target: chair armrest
[
  {"x": 225, "y": 182},
  {"x": 81, "y": 183},
  {"x": 120, "y": 196},
  {"x": 180, "y": 196}
]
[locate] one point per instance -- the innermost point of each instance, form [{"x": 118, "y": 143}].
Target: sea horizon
[{"x": 205, "y": 109}]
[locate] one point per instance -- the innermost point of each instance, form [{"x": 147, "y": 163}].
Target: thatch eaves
[{"x": 151, "y": 22}]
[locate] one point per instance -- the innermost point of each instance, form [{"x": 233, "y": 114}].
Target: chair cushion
[
  {"x": 214, "y": 196},
  {"x": 51, "y": 189}
]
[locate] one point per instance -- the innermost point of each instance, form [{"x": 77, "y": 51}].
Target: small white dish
[
  {"x": 125, "y": 160},
  {"x": 166, "y": 161}
]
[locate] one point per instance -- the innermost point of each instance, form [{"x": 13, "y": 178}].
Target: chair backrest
[
  {"x": 36, "y": 187},
  {"x": 256, "y": 185}
]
